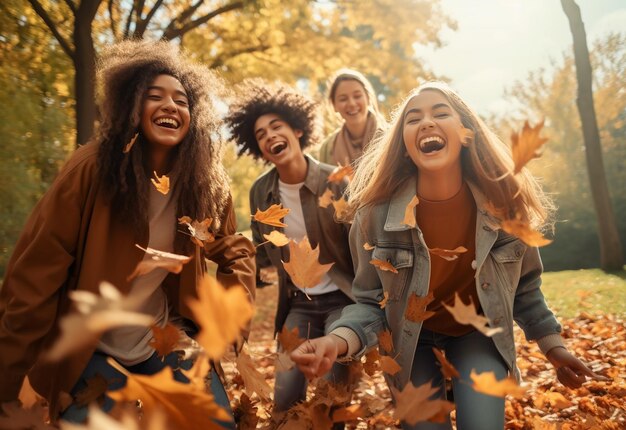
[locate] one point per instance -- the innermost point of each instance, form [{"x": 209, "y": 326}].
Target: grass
[{"x": 571, "y": 292}]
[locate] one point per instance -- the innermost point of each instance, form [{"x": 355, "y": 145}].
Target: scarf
[{"x": 347, "y": 149}]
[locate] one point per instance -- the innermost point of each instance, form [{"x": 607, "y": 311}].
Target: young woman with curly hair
[
  {"x": 157, "y": 116},
  {"x": 441, "y": 152}
]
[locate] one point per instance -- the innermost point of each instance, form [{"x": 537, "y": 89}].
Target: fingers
[{"x": 569, "y": 378}]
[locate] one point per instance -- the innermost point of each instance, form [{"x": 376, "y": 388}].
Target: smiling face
[
  {"x": 351, "y": 101},
  {"x": 278, "y": 141},
  {"x": 432, "y": 132},
  {"x": 165, "y": 113}
]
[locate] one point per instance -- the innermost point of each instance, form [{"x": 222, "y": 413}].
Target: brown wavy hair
[
  {"x": 125, "y": 71},
  {"x": 486, "y": 162}
]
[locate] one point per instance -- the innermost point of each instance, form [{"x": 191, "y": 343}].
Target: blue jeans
[
  {"x": 313, "y": 318},
  {"x": 116, "y": 380},
  {"x": 473, "y": 351}
]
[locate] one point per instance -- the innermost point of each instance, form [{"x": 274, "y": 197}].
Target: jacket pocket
[
  {"x": 402, "y": 261},
  {"x": 507, "y": 259}
]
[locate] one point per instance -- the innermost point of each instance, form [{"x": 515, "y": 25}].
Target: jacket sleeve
[
  {"x": 38, "y": 271},
  {"x": 365, "y": 317},
  {"x": 262, "y": 259},
  {"x": 530, "y": 310},
  {"x": 233, "y": 253}
]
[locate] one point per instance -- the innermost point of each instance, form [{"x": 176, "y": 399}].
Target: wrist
[{"x": 341, "y": 343}]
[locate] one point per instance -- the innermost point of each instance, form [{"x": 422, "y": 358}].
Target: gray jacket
[{"x": 508, "y": 277}]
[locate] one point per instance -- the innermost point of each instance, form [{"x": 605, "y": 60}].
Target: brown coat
[{"x": 73, "y": 241}]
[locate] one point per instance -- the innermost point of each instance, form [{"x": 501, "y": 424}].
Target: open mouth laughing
[
  {"x": 278, "y": 147},
  {"x": 431, "y": 144},
  {"x": 167, "y": 122}
]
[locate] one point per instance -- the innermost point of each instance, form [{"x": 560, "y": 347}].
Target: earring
[{"x": 130, "y": 144}]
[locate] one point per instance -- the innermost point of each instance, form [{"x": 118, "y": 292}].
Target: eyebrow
[
  {"x": 179, "y": 92},
  {"x": 256, "y": 132},
  {"x": 437, "y": 106}
]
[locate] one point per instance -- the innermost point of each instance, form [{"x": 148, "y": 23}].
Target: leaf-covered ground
[{"x": 599, "y": 340}]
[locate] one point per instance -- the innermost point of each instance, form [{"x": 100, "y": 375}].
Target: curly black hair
[
  {"x": 125, "y": 71},
  {"x": 256, "y": 97}
]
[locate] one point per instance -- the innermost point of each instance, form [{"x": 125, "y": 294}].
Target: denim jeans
[
  {"x": 313, "y": 318},
  {"x": 473, "y": 351},
  {"x": 98, "y": 365}
]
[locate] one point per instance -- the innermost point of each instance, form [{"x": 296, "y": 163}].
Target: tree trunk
[{"x": 611, "y": 256}]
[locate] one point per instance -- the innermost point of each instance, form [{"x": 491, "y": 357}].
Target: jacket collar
[{"x": 311, "y": 182}]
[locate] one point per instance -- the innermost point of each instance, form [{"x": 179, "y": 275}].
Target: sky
[{"x": 498, "y": 42}]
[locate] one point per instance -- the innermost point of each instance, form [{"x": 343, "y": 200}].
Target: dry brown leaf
[
  {"x": 185, "y": 406},
  {"x": 389, "y": 365},
  {"x": 448, "y": 254},
  {"x": 93, "y": 392},
  {"x": 14, "y": 417},
  {"x": 341, "y": 207},
  {"x": 383, "y": 302},
  {"x": 409, "y": 212},
  {"x": 416, "y": 307},
  {"x": 372, "y": 362},
  {"x": 277, "y": 238},
  {"x": 272, "y": 215},
  {"x": 368, "y": 247},
  {"x": 320, "y": 417},
  {"x": 159, "y": 259},
  {"x": 221, "y": 314},
  {"x": 487, "y": 383},
  {"x": 447, "y": 369},
  {"x": 341, "y": 172},
  {"x": 525, "y": 145},
  {"x": 199, "y": 230},
  {"x": 165, "y": 339},
  {"x": 289, "y": 339},
  {"x": 248, "y": 418},
  {"x": 303, "y": 266},
  {"x": 326, "y": 198},
  {"x": 383, "y": 265},
  {"x": 254, "y": 381},
  {"x": 413, "y": 404},
  {"x": 524, "y": 232},
  {"x": 466, "y": 314},
  {"x": 162, "y": 184},
  {"x": 348, "y": 413}
]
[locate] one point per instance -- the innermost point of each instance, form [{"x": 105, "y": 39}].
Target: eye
[
  {"x": 412, "y": 120},
  {"x": 442, "y": 115},
  {"x": 153, "y": 97},
  {"x": 181, "y": 102}
]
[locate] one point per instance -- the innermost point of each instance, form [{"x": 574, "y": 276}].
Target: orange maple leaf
[
  {"x": 341, "y": 172},
  {"x": 247, "y": 413},
  {"x": 272, "y": 215},
  {"x": 466, "y": 314},
  {"x": 159, "y": 259},
  {"x": 372, "y": 362},
  {"x": 368, "y": 247},
  {"x": 389, "y": 365},
  {"x": 487, "y": 383},
  {"x": 409, "y": 212},
  {"x": 277, "y": 238},
  {"x": 221, "y": 314},
  {"x": 254, "y": 381},
  {"x": 447, "y": 369},
  {"x": 448, "y": 254},
  {"x": 162, "y": 183},
  {"x": 385, "y": 341},
  {"x": 165, "y": 339},
  {"x": 416, "y": 307},
  {"x": 303, "y": 266},
  {"x": 348, "y": 413},
  {"x": 525, "y": 145},
  {"x": 341, "y": 207},
  {"x": 199, "y": 230},
  {"x": 383, "y": 302},
  {"x": 413, "y": 404},
  {"x": 289, "y": 339},
  {"x": 524, "y": 232},
  {"x": 383, "y": 265},
  {"x": 326, "y": 198}
]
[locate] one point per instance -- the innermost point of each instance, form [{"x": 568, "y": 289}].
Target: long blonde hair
[{"x": 486, "y": 162}]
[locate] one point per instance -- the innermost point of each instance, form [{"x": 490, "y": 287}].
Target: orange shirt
[{"x": 447, "y": 225}]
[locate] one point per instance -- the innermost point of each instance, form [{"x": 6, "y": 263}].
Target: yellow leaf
[
  {"x": 525, "y": 145},
  {"x": 413, "y": 404},
  {"x": 409, "y": 212},
  {"x": 253, "y": 380},
  {"x": 221, "y": 314},
  {"x": 383, "y": 265},
  {"x": 487, "y": 383},
  {"x": 326, "y": 198},
  {"x": 272, "y": 215},
  {"x": 448, "y": 254},
  {"x": 341, "y": 172},
  {"x": 289, "y": 339},
  {"x": 159, "y": 259},
  {"x": 466, "y": 314},
  {"x": 524, "y": 232},
  {"x": 277, "y": 238},
  {"x": 162, "y": 184},
  {"x": 303, "y": 266},
  {"x": 368, "y": 247}
]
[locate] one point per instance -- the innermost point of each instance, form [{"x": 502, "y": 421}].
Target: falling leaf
[
  {"x": 448, "y": 254},
  {"x": 14, "y": 417},
  {"x": 368, "y": 247},
  {"x": 525, "y": 145},
  {"x": 466, "y": 314},
  {"x": 409, "y": 212},
  {"x": 416, "y": 307},
  {"x": 130, "y": 145},
  {"x": 95, "y": 315},
  {"x": 524, "y": 232},
  {"x": 341, "y": 172},
  {"x": 93, "y": 392},
  {"x": 186, "y": 406},
  {"x": 221, "y": 314},
  {"x": 248, "y": 418},
  {"x": 383, "y": 265},
  {"x": 272, "y": 215},
  {"x": 162, "y": 184},
  {"x": 277, "y": 238},
  {"x": 253, "y": 380},
  {"x": 372, "y": 362},
  {"x": 447, "y": 369},
  {"x": 413, "y": 404},
  {"x": 199, "y": 230},
  {"x": 164, "y": 339},
  {"x": 389, "y": 365},
  {"x": 289, "y": 339},
  {"x": 326, "y": 198},
  {"x": 383, "y": 302},
  {"x": 303, "y": 266},
  {"x": 348, "y": 413},
  {"x": 159, "y": 259},
  {"x": 385, "y": 340},
  {"x": 341, "y": 207},
  {"x": 487, "y": 383}
]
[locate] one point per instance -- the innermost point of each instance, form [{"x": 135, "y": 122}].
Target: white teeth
[
  {"x": 431, "y": 139},
  {"x": 170, "y": 121}
]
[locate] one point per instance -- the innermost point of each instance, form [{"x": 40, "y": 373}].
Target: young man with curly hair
[{"x": 275, "y": 123}]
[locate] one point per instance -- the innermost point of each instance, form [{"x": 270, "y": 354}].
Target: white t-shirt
[{"x": 296, "y": 229}]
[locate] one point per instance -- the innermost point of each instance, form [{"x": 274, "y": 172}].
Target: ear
[{"x": 298, "y": 133}]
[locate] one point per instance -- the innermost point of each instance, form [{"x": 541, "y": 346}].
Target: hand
[
  {"x": 570, "y": 371},
  {"x": 315, "y": 357}
]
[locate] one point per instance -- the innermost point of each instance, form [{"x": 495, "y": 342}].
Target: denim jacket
[{"x": 508, "y": 277}]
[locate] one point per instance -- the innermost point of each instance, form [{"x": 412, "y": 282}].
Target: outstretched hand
[
  {"x": 570, "y": 371},
  {"x": 316, "y": 356}
]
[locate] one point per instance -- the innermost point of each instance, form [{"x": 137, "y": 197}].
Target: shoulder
[
  {"x": 265, "y": 182},
  {"x": 328, "y": 144},
  {"x": 82, "y": 164}
]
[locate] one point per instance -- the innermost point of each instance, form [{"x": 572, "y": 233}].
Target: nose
[
  {"x": 427, "y": 123},
  {"x": 169, "y": 105}
]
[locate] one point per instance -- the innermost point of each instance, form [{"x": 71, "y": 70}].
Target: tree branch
[
  {"x": 249, "y": 50},
  {"x": 129, "y": 20},
  {"x": 71, "y": 5},
  {"x": 38, "y": 8},
  {"x": 172, "y": 33},
  {"x": 142, "y": 23},
  {"x": 112, "y": 22}
]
